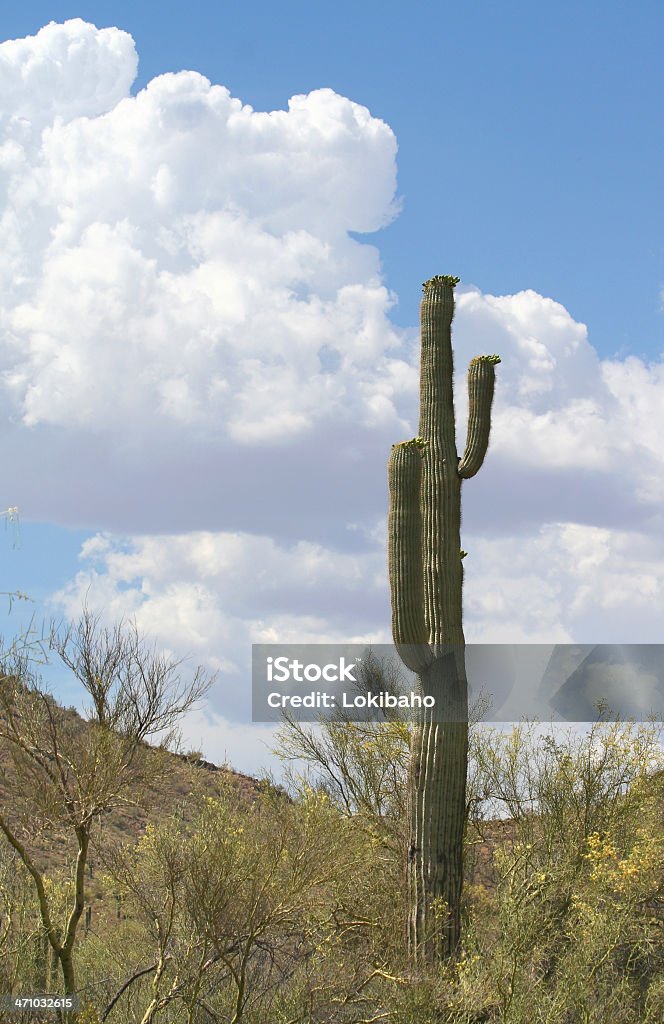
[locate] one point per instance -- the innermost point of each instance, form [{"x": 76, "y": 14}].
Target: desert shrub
[{"x": 289, "y": 908}]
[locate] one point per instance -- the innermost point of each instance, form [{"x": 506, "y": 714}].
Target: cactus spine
[{"x": 426, "y": 578}]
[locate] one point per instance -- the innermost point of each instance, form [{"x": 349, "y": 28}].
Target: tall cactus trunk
[{"x": 426, "y": 579}]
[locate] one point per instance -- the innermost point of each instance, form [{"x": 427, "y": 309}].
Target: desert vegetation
[{"x": 192, "y": 896}]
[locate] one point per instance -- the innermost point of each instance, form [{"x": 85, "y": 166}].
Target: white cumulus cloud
[
  {"x": 190, "y": 257},
  {"x": 64, "y": 72}
]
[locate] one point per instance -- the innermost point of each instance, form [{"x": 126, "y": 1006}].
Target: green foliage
[
  {"x": 88, "y": 1015},
  {"x": 571, "y": 925},
  {"x": 289, "y": 908},
  {"x": 563, "y": 901},
  {"x": 415, "y": 442},
  {"x": 440, "y": 279},
  {"x": 492, "y": 360}
]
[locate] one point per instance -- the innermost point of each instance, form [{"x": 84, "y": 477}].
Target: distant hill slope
[{"x": 187, "y": 777}]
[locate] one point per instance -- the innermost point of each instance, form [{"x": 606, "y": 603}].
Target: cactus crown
[
  {"x": 415, "y": 442},
  {"x": 440, "y": 279},
  {"x": 485, "y": 359}
]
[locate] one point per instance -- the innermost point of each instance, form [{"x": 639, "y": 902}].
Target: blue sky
[{"x": 527, "y": 148}]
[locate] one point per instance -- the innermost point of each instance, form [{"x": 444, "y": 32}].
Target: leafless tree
[{"x": 64, "y": 775}]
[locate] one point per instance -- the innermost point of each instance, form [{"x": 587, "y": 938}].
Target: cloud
[
  {"x": 192, "y": 255},
  {"x": 64, "y": 72},
  {"x": 574, "y": 438},
  {"x": 565, "y": 583},
  {"x": 178, "y": 275},
  {"x": 211, "y": 595}
]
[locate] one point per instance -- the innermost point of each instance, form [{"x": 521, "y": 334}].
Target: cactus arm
[
  {"x": 481, "y": 381},
  {"x": 404, "y": 532}
]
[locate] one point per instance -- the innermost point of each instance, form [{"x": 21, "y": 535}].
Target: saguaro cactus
[{"x": 426, "y": 578}]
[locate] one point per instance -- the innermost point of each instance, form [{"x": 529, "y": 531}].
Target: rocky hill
[{"x": 183, "y": 782}]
